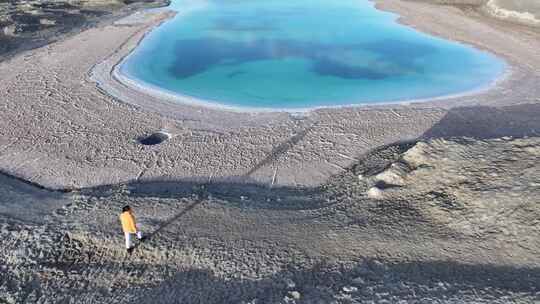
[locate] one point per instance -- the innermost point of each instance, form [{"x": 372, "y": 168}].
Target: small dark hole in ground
[
  {"x": 154, "y": 139},
  {"x": 383, "y": 185}
]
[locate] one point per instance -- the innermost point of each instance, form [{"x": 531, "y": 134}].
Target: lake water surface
[{"x": 301, "y": 54}]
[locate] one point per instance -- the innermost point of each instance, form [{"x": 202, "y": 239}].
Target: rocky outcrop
[
  {"x": 475, "y": 187},
  {"x": 526, "y": 12},
  {"x": 523, "y": 12},
  {"x": 469, "y": 3}
]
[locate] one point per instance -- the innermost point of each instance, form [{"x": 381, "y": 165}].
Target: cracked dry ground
[
  {"x": 27, "y": 24},
  {"x": 441, "y": 221}
]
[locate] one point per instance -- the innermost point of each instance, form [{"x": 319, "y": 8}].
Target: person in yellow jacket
[{"x": 129, "y": 226}]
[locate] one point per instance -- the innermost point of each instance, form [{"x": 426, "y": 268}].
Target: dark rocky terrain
[{"x": 26, "y": 24}]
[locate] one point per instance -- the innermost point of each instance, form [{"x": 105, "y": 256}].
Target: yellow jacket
[{"x": 128, "y": 222}]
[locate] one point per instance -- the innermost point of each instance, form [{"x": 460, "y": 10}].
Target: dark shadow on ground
[
  {"x": 431, "y": 281},
  {"x": 482, "y": 122},
  {"x": 170, "y": 221},
  {"x": 476, "y": 122},
  {"x": 25, "y": 202},
  {"x": 241, "y": 191},
  {"x": 242, "y": 194},
  {"x": 280, "y": 150},
  {"x": 245, "y": 192},
  {"x": 439, "y": 280}
]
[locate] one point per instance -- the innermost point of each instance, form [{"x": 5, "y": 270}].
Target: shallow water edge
[{"x": 171, "y": 96}]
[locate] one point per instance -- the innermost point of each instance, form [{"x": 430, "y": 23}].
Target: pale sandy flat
[{"x": 60, "y": 129}]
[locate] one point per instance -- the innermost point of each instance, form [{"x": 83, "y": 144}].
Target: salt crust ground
[
  {"x": 269, "y": 207},
  {"x": 59, "y": 131},
  {"x": 458, "y": 222}
]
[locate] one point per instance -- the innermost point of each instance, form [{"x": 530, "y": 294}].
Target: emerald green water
[{"x": 301, "y": 54}]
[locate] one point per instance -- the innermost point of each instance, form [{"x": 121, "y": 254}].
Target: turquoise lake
[{"x": 301, "y": 54}]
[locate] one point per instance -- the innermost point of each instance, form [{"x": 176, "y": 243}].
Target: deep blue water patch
[{"x": 277, "y": 54}]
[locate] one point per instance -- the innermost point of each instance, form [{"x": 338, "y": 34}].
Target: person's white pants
[{"x": 130, "y": 238}]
